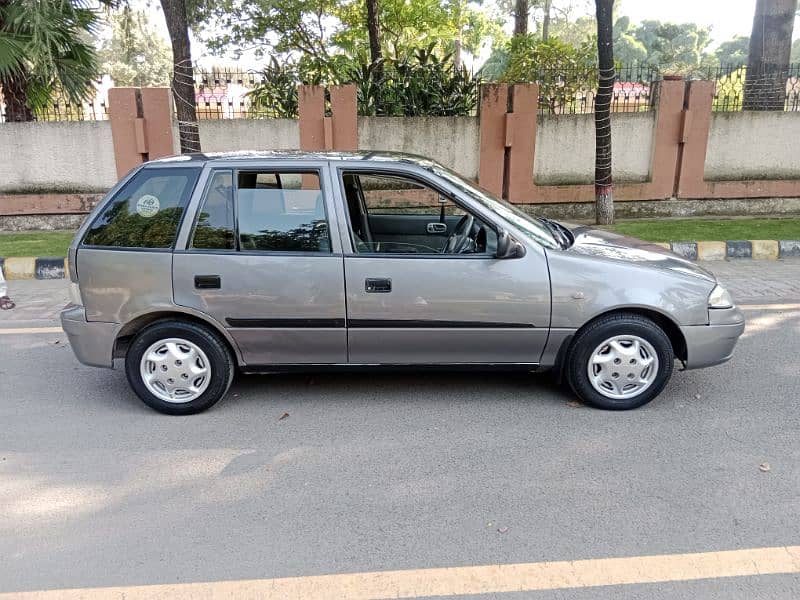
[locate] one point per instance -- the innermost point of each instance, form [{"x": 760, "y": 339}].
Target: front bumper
[
  {"x": 92, "y": 342},
  {"x": 713, "y": 344}
]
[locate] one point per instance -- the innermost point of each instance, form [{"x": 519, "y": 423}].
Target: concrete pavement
[{"x": 374, "y": 472}]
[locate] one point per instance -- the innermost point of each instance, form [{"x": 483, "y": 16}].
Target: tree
[
  {"x": 628, "y": 49},
  {"x": 374, "y": 32},
  {"x": 521, "y": 15},
  {"x": 673, "y": 46},
  {"x": 770, "y": 52},
  {"x": 733, "y": 52},
  {"x": 182, "y": 75},
  {"x": 603, "y": 182},
  {"x": 795, "y": 51},
  {"x": 329, "y": 34},
  {"x": 561, "y": 70},
  {"x": 44, "y": 51},
  {"x": 135, "y": 54}
]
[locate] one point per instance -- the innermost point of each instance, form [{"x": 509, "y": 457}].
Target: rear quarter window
[{"x": 146, "y": 212}]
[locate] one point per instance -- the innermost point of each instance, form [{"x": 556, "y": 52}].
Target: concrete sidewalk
[{"x": 750, "y": 282}]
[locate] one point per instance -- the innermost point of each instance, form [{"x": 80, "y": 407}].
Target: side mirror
[{"x": 508, "y": 247}]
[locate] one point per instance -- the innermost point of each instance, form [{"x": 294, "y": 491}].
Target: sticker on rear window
[{"x": 148, "y": 206}]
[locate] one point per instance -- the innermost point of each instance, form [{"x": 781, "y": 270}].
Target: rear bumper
[
  {"x": 92, "y": 343},
  {"x": 713, "y": 344}
]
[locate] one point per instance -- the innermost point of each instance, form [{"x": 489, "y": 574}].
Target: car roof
[{"x": 381, "y": 156}]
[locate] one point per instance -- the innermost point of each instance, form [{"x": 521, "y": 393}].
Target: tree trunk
[
  {"x": 15, "y": 96},
  {"x": 521, "y": 10},
  {"x": 182, "y": 75},
  {"x": 374, "y": 31},
  {"x": 546, "y": 21},
  {"x": 603, "y": 188},
  {"x": 770, "y": 51},
  {"x": 14, "y": 88}
]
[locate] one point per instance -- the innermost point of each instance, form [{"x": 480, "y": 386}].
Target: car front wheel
[
  {"x": 179, "y": 368},
  {"x": 619, "y": 362}
]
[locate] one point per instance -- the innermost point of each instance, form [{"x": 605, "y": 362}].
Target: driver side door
[{"x": 408, "y": 302}]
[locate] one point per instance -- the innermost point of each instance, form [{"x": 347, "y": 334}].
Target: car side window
[
  {"x": 214, "y": 229},
  {"x": 146, "y": 212},
  {"x": 397, "y": 214},
  {"x": 281, "y": 212}
]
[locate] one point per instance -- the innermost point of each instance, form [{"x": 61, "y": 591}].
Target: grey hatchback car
[{"x": 197, "y": 265}]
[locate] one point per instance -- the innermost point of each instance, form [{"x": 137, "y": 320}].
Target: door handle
[
  {"x": 437, "y": 228},
  {"x": 378, "y": 286},
  {"x": 207, "y": 282}
]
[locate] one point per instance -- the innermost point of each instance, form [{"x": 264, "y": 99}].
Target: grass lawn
[
  {"x": 55, "y": 243},
  {"x": 687, "y": 230},
  {"x": 37, "y": 243}
]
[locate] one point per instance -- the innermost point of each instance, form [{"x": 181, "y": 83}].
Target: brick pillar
[
  {"x": 319, "y": 132},
  {"x": 521, "y": 127},
  {"x": 694, "y": 139},
  {"x": 141, "y": 125},
  {"x": 508, "y": 140},
  {"x": 494, "y": 106}
]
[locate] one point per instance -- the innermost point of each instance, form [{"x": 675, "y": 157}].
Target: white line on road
[
  {"x": 462, "y": 581},
  {"x": 27, "y": 330}
]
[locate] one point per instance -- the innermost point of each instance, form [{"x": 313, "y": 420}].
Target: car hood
[{"x": 613, "y": 246}]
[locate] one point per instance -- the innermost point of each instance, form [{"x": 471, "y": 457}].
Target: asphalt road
[{"x": 382, "y": 472}]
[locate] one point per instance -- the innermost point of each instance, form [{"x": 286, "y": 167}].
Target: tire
[
  {"x": 622, "y": 351},
  {"x": 194, "y": 358}
]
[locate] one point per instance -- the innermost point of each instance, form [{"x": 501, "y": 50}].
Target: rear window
[{"x": 146, "y": 212}]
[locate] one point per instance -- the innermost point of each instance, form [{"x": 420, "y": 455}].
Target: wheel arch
[
  {"x": 128, "y": 331},
  {"x": 670, "y": 328}
]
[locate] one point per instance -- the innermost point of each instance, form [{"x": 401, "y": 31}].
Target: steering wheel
[{"x": 461, "y": 238}]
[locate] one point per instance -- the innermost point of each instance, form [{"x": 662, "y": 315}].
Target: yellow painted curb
[
  {"x": 665, "y": 245},
  {"x": 765, "y": 249},
  {"x": 20, "y": 267},
  {"x": 711, "y": 250}
]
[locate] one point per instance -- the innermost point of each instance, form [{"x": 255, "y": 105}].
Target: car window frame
[
  {"x": 319, "y": 168},
  {"x": 398, "y": 171},
  {"x": 120, "y": 188},
  {"x": 196, "y": 218}
]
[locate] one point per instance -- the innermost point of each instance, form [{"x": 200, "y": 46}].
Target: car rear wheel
[
  {"x": 619, "y": 362},
  {"x": 179, "y": 368}
]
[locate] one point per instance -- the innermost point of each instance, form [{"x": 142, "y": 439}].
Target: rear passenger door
[{"x": 259, "y": 258}]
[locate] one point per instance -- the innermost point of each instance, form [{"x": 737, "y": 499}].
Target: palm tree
[
  {"x": 603, "y": 183},
  {"x": 770, "y": 52},
  {"x": 43, "y": 50}
]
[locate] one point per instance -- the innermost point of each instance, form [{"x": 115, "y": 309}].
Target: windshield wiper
[{"x": 558, "y": 231}]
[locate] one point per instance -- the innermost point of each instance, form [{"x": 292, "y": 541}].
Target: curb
[
  {"x": 55, "y": 267},
  {"x": 34, "y": 267}
]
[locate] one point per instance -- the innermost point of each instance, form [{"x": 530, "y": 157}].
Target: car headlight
[{"x": 720, "y": 298}]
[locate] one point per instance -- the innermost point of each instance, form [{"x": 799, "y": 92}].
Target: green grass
[
  {"x": 56, "y": 243},
  {"x": 38, "y": 243},
  {"x": 688, "y": 230}
]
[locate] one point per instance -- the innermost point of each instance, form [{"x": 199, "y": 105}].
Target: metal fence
[
  {"x": 575, "y": 92},
  {"x": 61, "y": 109},
  {"x": 223, "y": 93},
  {"x": 767, "y": 90}
]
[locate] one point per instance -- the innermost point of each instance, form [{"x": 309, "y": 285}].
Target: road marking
[
  {"x": 26, "y": 330},
  {"x": 460, "y": 581},
  {"x": 769, "y": 306}
]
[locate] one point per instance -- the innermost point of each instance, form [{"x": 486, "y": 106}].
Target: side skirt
[{"x": 405, "y": 368}]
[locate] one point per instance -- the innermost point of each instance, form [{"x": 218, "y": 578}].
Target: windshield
[{"x": 530, "y": 225}]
